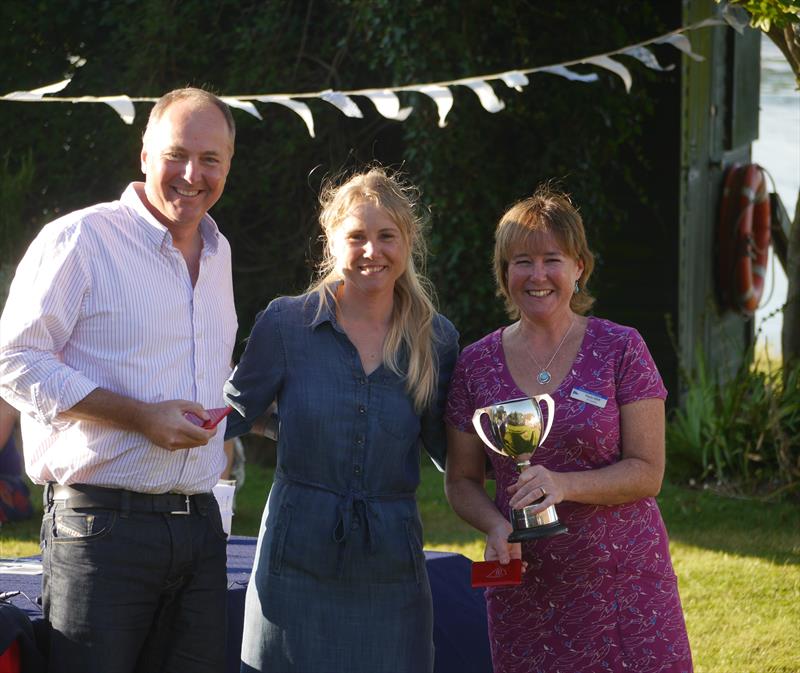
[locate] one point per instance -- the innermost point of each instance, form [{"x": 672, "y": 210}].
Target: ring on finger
[{"x": 544, "y": 493}]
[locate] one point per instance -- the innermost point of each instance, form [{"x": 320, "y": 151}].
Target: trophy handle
[
  {"x": 550, "y": 412},
  {"x": 476, "y": 421}
]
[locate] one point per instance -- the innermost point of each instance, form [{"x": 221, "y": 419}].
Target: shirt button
[
  {"x": 357, "y": 469},
  {"x": 362, "y": 380},
  {"x": 362, "y": 409},
  {"x": 359, "y": 440}
]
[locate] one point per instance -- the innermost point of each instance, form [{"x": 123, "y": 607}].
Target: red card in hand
[
  {"x": 216, "y": 416},
  {"x": 492, "y": 574}
]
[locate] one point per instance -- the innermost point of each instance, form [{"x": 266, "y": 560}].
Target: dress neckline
[{"x": 569, "y": 375}]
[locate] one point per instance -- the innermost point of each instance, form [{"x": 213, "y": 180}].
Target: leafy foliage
[
  {"x": 16, "y": 183},
  {"x": 741, "y": 433},
  {"x": 598, "y": 140},
  {"x": 767, "y": 13}
]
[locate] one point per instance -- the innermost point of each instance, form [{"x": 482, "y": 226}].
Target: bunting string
[{"x": 386, "y": 101}]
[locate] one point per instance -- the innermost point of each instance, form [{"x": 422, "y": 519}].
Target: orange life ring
[{"x": 743, "y": 238}]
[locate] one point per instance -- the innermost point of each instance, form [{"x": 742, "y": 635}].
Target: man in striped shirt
[{"x": 119, "y": 321}]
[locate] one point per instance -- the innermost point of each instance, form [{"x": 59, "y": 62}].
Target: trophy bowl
[{"x": 515, "y": 431}]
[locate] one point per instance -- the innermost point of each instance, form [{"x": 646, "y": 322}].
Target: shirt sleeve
[
  {"x": 637, "y": 375},
  {"x": 257, "y": 378},
  {"x": 460, "y": 402},
  {"x": 432, "y": 422},
  {"x": 44, "y": 304}
]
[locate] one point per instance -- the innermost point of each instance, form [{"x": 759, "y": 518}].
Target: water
[{"x": 778, "y": 150}]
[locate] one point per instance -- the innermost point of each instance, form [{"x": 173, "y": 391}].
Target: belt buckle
[{"x": 184, "y": 511}]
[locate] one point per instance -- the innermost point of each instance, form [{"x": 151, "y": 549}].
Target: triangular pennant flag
[
  {"x": 245, "y": 105},
  {"x": 647, "y": 57},
  {"x": 563, "y": 71},
  {"x": 388, "y": 104},
  {"x": 515, "y": 79},
  {"x": 36, "y": 94},
  {"x": 614, "y": 66},
  {"x": 486, "y": 95},
  {"x": 300, "y": 108},
  {"x": 122, "y": 105},
  {"x": 735, "y": 17},
  {"x": 344, "y": 103},
  {"x": 680, "y": 42},
  {"x": 443, "y": 98}
]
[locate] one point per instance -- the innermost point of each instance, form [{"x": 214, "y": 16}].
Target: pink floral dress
[{"x": 602, "y": 597}]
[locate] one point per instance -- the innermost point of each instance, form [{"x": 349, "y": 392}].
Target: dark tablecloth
[{"x": 459, "y": 612}]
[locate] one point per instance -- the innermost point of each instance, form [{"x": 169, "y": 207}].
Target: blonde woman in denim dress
[{"x": 359, "y": 366}]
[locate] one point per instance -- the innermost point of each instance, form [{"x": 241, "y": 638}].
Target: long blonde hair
[{"x": 411, "y": 327}]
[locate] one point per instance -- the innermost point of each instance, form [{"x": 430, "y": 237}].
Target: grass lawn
[{"x": 738, "y": 563}]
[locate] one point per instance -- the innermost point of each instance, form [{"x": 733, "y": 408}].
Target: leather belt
[{"x": 85, "y": 495}]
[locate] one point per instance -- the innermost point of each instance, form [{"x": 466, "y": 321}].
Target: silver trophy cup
[{"x": 515, "y": 429}]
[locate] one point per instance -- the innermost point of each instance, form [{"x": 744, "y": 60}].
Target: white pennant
[
  {"x": 300, "y": 108},
  {"x": 647, "y": 57},
  {"x": 614, "y": 66},
  {"x": 344, "y": 103},
  {"x": 487, "y": 96},
  {"x": 388, "y": 104},
  {"x": 515, "y": 79},
  {"x": 443, "y": 98},
  {"x": 122, "y": 105},
  {"x": 245, "y": 105},
  {"x": 710, "y": 21},
  {"x": 735, "y": 17},
  {"x": 569, "y": 74},
  {"x": 36, "y": 94},
  {"x": 682, "y": 43}
]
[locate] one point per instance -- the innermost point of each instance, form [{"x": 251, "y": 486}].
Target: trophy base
[{"x": 547, "y": 530}]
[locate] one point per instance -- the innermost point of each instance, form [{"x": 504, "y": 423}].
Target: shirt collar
[
  {"x": 328, "y": 311},
  {"x": 158, "y": 233}
]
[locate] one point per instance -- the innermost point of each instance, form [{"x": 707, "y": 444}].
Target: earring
[{"x": 577, "y": 288}]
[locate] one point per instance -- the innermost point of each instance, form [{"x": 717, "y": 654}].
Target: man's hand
[{"x": 164, "y": 424}]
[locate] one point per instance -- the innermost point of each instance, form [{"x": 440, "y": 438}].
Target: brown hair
[
  {"x": 197, "y": 96},
  {"x": 547, "y": 211}
]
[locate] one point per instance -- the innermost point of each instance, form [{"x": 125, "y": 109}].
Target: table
[{"x": 459, "y": 612}]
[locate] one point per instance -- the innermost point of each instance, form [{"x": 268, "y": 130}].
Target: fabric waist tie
[{"x": 349, "y": 502}]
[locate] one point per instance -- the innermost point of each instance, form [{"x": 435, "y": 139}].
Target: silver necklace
[{"x": 544, "y": 375}]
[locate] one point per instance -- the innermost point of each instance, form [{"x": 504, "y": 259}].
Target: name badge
[{"x": 589, "y": 397}]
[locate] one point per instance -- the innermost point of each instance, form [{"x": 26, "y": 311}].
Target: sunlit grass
[{"x": 737, "y": 560}]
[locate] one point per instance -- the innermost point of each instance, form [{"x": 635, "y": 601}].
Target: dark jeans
[{"x": 134, "y": 591}]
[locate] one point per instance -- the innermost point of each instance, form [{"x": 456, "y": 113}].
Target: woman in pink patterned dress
[{"x": 602, "y": 597}]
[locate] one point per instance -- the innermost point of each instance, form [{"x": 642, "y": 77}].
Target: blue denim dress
[{"x": 339, "y": 582}]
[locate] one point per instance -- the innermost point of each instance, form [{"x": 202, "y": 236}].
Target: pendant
[{"x": 543, "y": 377}]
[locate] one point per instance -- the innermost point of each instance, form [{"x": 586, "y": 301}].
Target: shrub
[{"x": 741, "y": 434}]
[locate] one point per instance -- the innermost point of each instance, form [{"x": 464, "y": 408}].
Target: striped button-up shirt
[{"x": 102, "y": 298}]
